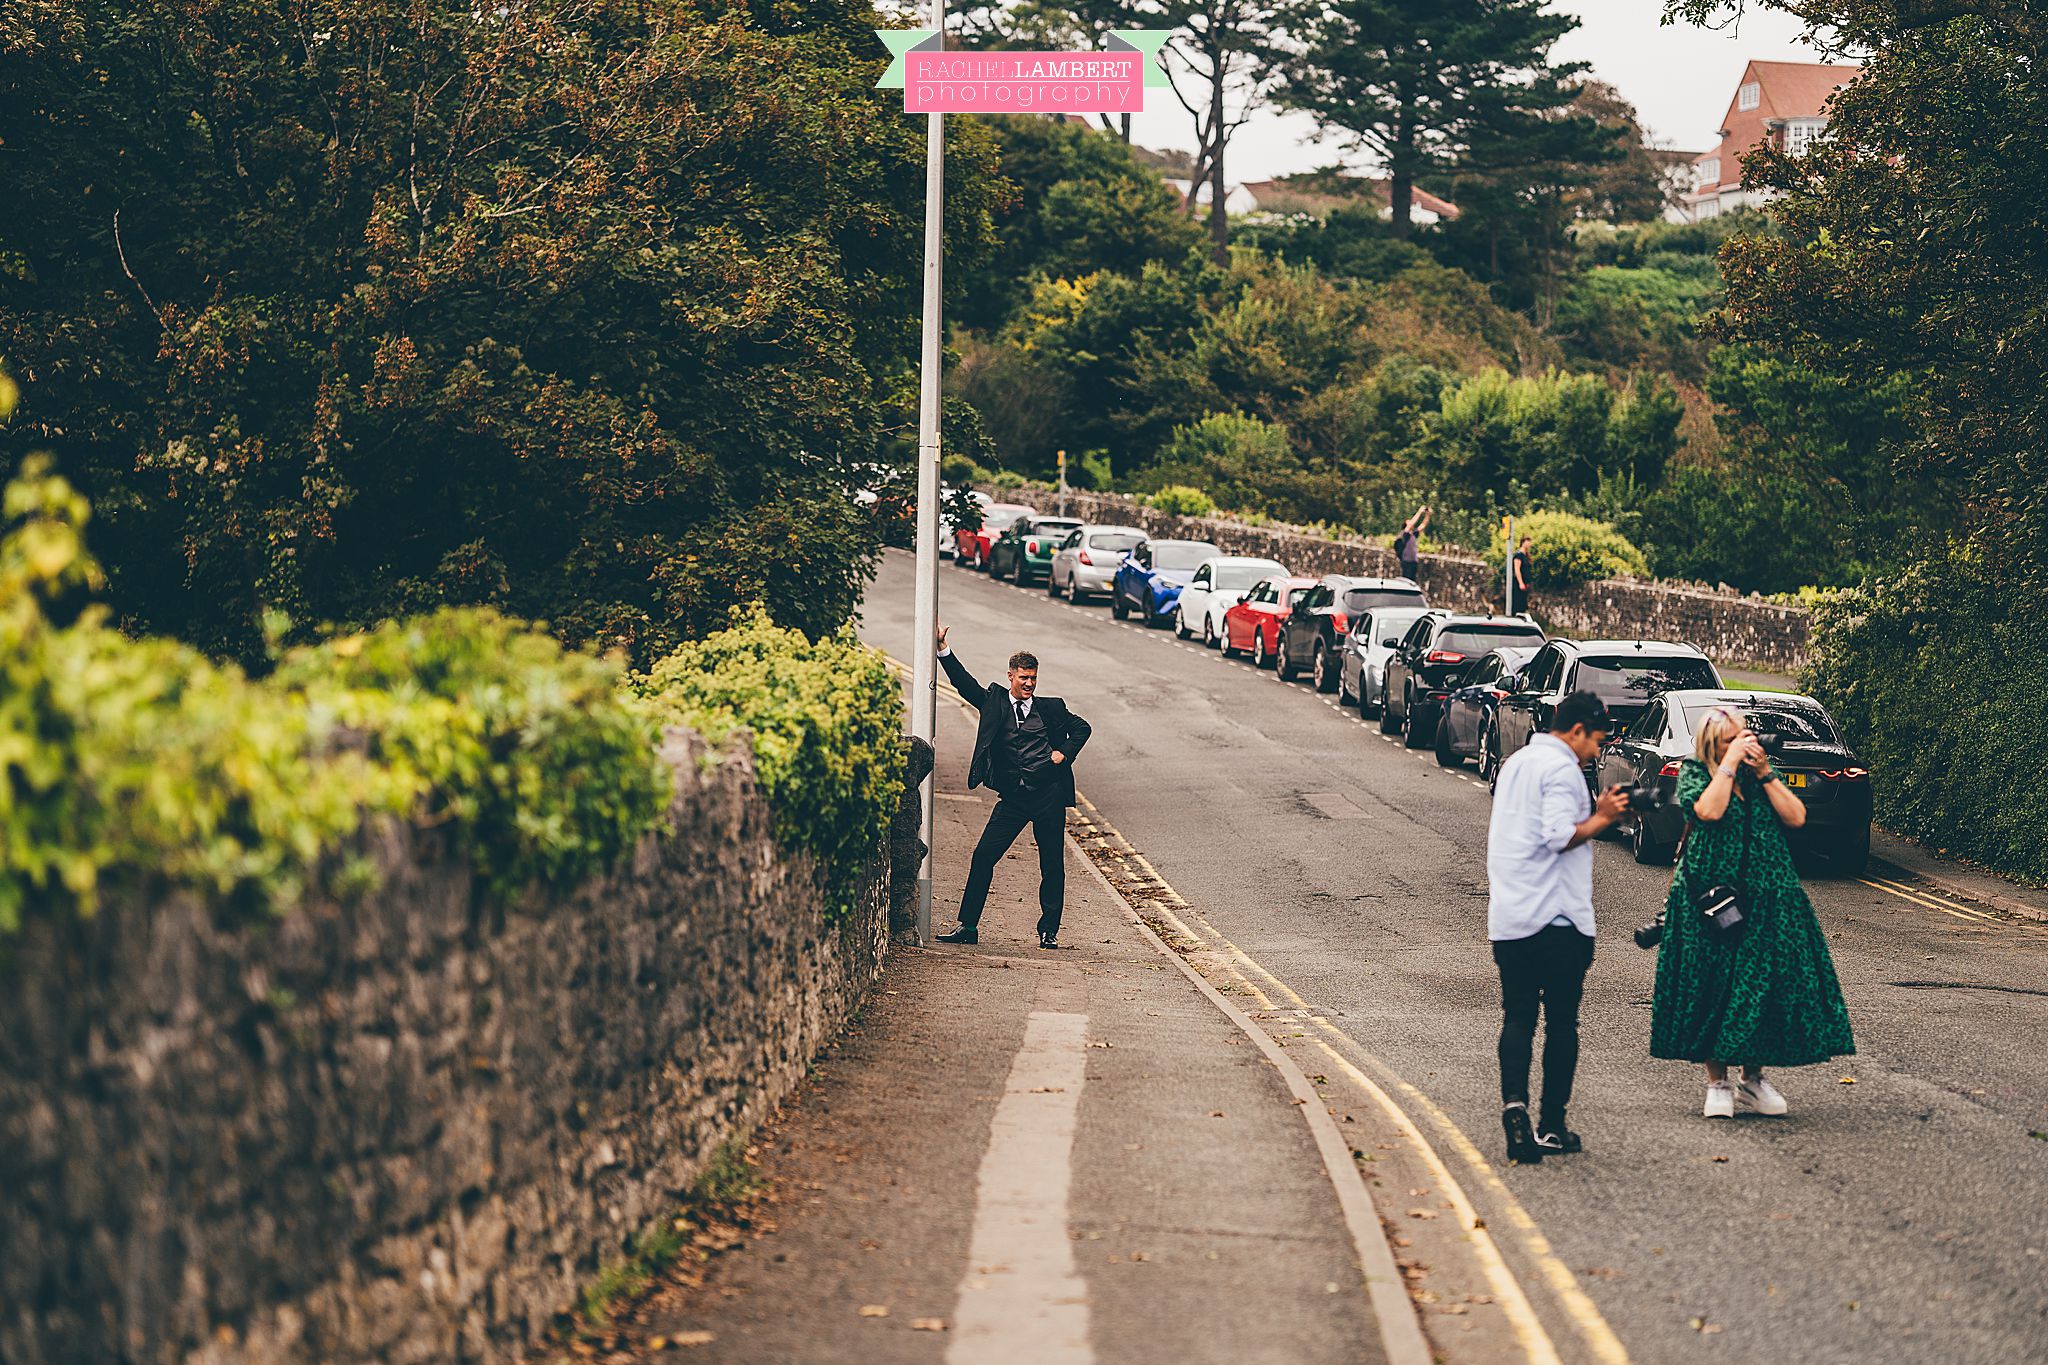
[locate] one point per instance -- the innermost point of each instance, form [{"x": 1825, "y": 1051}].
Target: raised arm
[{"x": 957, "y": 671}]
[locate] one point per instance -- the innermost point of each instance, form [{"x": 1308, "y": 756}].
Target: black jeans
[
  {"x": 1047, "y": 815},
  {"x": 1547, "y": 970}
]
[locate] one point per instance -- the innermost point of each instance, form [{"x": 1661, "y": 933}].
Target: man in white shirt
[{"x": 1539, "y": 914}]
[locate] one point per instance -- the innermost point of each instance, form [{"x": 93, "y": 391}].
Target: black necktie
[{"x": 1020, "y": 713}]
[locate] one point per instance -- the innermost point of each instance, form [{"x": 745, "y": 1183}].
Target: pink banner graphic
[{"x": 1020, "y": 82}]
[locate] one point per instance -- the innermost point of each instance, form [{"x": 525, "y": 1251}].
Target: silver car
[
  {"x": 1367, "y": 647},
  {"x": 1087, "y": 560}
]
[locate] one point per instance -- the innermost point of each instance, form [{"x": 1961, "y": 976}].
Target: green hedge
[
  {"x": 1567, "y": 550},
  {"x": 137, "y": 762},
  {"x": 1935, "y": 676},
  {"x": 1180, "y": 500},
  {"x": 827, "y": 721}
]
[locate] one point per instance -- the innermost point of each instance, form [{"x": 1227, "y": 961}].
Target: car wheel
[
  {"x": 1487, "y": 765},
  {"x": 1849, "y": 854},
  {"x": 1116, "y": 604},
  {"x": 1023, "y": 575},
  {"x": 1152, "y": 618},
  {"x": 1446, "y": 756},
  {"x": 1319, "y": 669},
  {"x": 1209, "y": 632},
  {"x": 1180, "y": 625},
  {"x": 1052, "y": 583},
  {"x": 1412, "y": 733},
  {"x": 1644, "y": 845},
  {"x": 1390, "y": 724},
  {"x": 1260, "y": 658},
  {"x": 1344, "y": 694},
  {"x": 1284, "y": 670}
]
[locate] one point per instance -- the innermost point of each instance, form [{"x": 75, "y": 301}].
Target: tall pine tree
[{"x": 1418, "y": 83}]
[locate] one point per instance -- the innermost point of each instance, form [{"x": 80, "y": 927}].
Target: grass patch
[{"x": 728, "y": 1180}]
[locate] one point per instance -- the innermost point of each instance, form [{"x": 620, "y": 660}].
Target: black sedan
[
  {"x": 1626, "y": 674},
  {"x": 1311, "y": 634},
  {"x": 1803, "y": 744},
  {"x": 1468, "y": 711}
]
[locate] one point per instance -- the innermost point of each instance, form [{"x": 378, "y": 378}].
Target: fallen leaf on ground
[
  {"x": 927, "y": 1324},
  {"x": 1422, "y": 1213},
  {"x": 1717, "y": 1158},
  {"x": 657, "y": 1343},
  {"x": 869, "y": 1244},
  {"x": 1215, "y": 1113},
  {"x": 1848, "y": 1080},
  {"x": 689, "y": 1339},
  {"x": 1048, "y": 1090},
  {"x": 874, "y": 1310}
]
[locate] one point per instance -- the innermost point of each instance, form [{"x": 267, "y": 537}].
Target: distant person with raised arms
[
  {"x": 1024, "y": 751},
  {"x": 1408, "y": 544}
]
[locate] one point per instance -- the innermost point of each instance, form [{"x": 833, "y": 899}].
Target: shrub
[
  {"x": 1179, "y": 500},
  {"x": 1900, "y": 662},
  {"x": 827, "y": 723},
  {"x": 1569, "y": 549},
  {"x": 128, "y": 759}
]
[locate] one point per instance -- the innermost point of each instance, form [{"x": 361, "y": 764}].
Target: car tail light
[
  {"x": 1670, "y": 769},
  {"x": 1444, "y": 656},
  {"x": 1340, "y": 621},
  {"x": 1031, "y": 547},
  {"x": 1086, "y": 560},
  {"x": 1845, "y": 774}
]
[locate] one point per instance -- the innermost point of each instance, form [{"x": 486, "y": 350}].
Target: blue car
[
  {"x": 1469, "y": 711},
  {"x": 1150, "y": 579}
]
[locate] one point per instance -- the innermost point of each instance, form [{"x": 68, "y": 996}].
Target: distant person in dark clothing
[
  {"x": 1408, "y": 544},
  {"x": 1024, "y": 752},
  {"x": 1518, "y": 592}
]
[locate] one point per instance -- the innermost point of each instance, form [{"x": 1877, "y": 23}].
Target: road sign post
[
  {"x": 924, "y": 673},
  {"x": 1507, "y": 582},
  {"x": 1063, "y": 483}
]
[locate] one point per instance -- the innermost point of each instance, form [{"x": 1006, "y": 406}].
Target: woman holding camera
[{"x": 1762, "y": 993}]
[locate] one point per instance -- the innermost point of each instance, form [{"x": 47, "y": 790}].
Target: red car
[
  {"x": 970, "y": 548},
  {"x": 1253, "y": 625}
]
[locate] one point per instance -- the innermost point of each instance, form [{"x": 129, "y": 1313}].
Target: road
[{"x": 1900, "y": 1211}]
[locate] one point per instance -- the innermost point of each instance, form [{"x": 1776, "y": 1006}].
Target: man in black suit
[{"x": 1024, "y": 751}]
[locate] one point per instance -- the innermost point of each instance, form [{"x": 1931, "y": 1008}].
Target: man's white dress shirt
[{"x": 1533, "y": 879}]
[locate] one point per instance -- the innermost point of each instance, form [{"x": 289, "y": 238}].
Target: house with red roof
[{"x": 1783, "y": 104}]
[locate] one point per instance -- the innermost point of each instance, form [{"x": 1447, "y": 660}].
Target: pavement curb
[
  {"x": 1400, "y": 1326},
  {"x": 1915, "y": 863}
]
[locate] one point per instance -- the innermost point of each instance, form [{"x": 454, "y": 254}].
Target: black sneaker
[
  {"x": 1558, "y": 1140},
  {"x": 966, "y": 933},
  {"x": 1048, "y": 940},
  {"x": 1523, "y": 1149}
]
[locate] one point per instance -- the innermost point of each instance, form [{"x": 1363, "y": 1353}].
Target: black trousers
[
  {"x": 1547, "y": 970},
  {"x": 1047, "y": 816}
]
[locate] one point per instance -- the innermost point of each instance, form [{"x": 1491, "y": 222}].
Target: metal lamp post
[{"x": 924, "y": 673}]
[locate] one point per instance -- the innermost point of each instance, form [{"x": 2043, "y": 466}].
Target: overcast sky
[{"x": 1679, "y": 78}]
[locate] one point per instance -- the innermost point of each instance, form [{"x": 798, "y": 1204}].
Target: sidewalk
[{"x": 1021, "y": 1155}]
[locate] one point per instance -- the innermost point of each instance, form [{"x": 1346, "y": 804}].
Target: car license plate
[{"x": 1795, "y": 779}]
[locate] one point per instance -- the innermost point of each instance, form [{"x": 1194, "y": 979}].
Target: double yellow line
[{"x": 1927, "y": 899}]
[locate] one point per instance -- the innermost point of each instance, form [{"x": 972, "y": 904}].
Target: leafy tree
[
  {"x": 1417, "y": 83},
  {"x": 586, "y": 309},
  {"x": 1555, "y": 432}
]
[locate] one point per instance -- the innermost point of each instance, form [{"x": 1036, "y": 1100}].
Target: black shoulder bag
[{"x": 1724, "y": 907}]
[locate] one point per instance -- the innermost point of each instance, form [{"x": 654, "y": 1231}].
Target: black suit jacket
[{"x": 1064, "y": 730}]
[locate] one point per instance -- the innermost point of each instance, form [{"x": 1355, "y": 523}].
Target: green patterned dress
[{"x": 1770, "y": 998}]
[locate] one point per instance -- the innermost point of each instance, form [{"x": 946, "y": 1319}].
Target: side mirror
[
  {"x": 1391, "y": 642},
  {"x": 1511, "y": 683}
]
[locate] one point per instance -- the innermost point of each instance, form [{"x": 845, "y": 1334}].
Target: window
[
  {"x": 1359, "y": 599},
  {"x": 1233, "y": 577},
  {"x": 1488, "y": 670},
  {"x": 1418, "y": 634},
  {"x": 1650, "y": 724},
  {"x": 1640, "y": 677},
  {"x": 1178, "y": 554},
  {"x": 1802, "y": 133},
  {"x": 1749, "y": 96},
  {"x": 1317, "y": 596},
  {"x": 1542, "y": 669},
  {"x": 1114, "y": 542},
  {"x": 1202, "y": 577},
  {"x": 1710, "y": 172},
  {"x": 1467, "y": 638},
  {"x": 1073, "y": 542},
  {"x": 1710, "y": 209}
]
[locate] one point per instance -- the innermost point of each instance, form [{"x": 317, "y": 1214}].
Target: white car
[{"x": 1220, "y": 583}]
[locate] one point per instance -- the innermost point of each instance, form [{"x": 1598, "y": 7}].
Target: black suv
[
  {"x": 1309, "y": 636},
  {"x": 1626, "y": 674},
  {"x": 1438, "y": 650}
]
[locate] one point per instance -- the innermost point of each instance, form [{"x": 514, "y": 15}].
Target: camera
[
  {"x": 1642, "y": 798},
  {"x": 1651, "y": 934}
]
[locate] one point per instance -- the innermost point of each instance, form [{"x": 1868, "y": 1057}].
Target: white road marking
[{"x": 1022, "y": 1298}]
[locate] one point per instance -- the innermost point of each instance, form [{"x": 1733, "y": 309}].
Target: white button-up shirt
[{"x": 1532, "y": 877}]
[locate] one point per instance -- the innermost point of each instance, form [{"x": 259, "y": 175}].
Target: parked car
[
  {"x": 971, "y": 548},
  {"x": 1361, "y": 681},
  {"x": 1803, "y": 743},
  {"x": 1023, "y": 553},
  {"x": 1150, "y": 581},
  {"x": 1087, "y": 560},
  {"x": 1253, "y": 625},
  {"x": 1626, "y": 674},
  {"x": 1310, "y": 635},
  {"x": 949, "y": 533},
  {"x": 1468, "y": 712},
  {"x": 1433, "y": 658},
  {"x": 1218, "y": 585}
]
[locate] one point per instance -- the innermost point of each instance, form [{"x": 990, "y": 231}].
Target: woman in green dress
[{"x": 1769, "y": 996}]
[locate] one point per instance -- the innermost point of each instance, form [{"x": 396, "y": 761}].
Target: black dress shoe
[
  {"x": 1523, "y": 1148},
  {"x": 1048, "y": 940},
  {"x": 966, "y": 933},
  {"x": 1558, "y": 1141}
]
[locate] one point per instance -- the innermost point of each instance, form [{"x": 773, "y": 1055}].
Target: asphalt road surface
[{"x": 1899, "y": 1212}]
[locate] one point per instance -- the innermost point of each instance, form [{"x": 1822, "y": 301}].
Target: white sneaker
[
  {"x": 1761, "y": 1096},
  {"x": 1720, "y": 1100}
]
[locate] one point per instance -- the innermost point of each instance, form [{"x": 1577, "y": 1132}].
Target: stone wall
[
  {"x": 1742, "y": 632},
  {"x": 407, "y": 1128}
]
